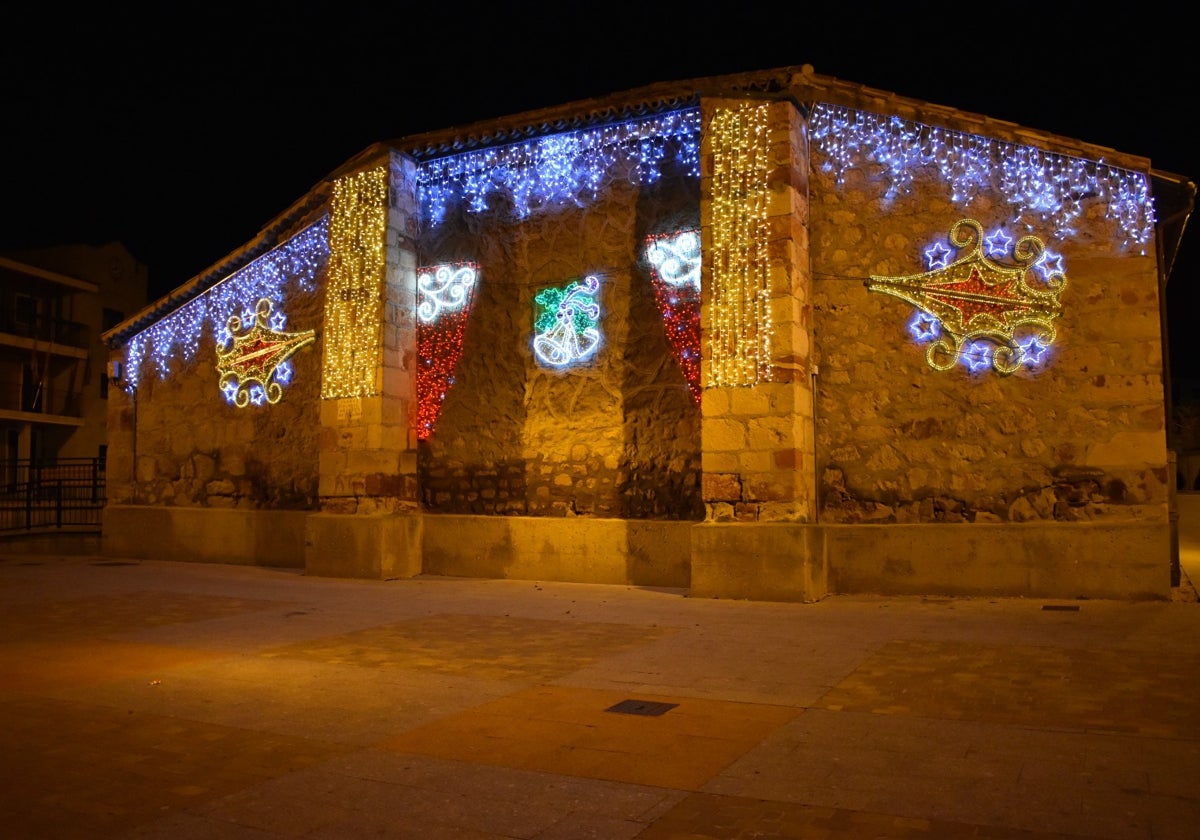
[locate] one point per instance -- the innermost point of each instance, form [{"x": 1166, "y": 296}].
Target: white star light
[
  {"x": 1050, "y": 265},
  {"x": 938, "y": 255},
  {"x": 1032, "y": 351},
  {"x": 998, "y": 243},
  {"x": 977, "y": 356},
  {"x": 924, "y": 326}
]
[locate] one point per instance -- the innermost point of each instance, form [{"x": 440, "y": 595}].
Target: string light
[
  {"x": 561, "y": 169},
  {"x": 567, "y": 330},
  {"x": 445, "y": 294},
  {"x": 740, "y": 328},
  {"x": 975, "y": 297},
  {"x": 354, "y": 288},
  {"x": 675, "y": 273},
  {"x": 1049, "y": 186},
  {"x": 296, "y": 263},
  {"x": 254, "y": 365}
]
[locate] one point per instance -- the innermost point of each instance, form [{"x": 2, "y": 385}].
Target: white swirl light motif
[
  {"x": 567, "y": 327},
  {"x": 677, "y": 258},
  {"x": 445, "y": 289}
]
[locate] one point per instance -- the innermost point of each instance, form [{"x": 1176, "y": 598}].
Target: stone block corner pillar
[
  {"x": 369, "y": 520},
  {"x": 757, "y": 427}
]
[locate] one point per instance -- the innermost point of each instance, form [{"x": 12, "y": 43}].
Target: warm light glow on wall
[
  {"x": 1049, "y": 187},
  {"x": 444, "y": 297},
  {"x": 740, "y": 323},
  {"x": 296, "y": 263},
  {"x": 354, "y": 289},
  {"x": 675, "y": 272},
  {"x": 978, "y": 310},
  {"x": 566, "y": 169}
]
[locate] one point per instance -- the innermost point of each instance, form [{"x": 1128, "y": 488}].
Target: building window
[{"x": 24, "y": 310}]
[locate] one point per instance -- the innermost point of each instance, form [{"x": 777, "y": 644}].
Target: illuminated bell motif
[
  {"x": 675, "y": 270},
  {"x": 249, "y": 363},
  {"x": 975, "y": 298},
  {"x": 567, "y": 324},
  {"x": 444, "y": 297}
]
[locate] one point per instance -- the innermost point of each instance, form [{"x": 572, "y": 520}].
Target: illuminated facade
[{"x": 750, "y": 346}]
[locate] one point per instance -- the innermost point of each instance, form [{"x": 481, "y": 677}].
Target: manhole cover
[{"x": 641, "y": 707}]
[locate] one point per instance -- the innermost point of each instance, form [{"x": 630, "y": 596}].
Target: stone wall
[
  {"x": 616, "y": 436},
  {"x": 1081, "y": 438},
  {"x": 189, "y": 447}
]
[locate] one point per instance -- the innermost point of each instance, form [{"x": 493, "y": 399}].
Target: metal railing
[
  {"x": 51, "y": 494},
  {"x": 41, "y": 328}
]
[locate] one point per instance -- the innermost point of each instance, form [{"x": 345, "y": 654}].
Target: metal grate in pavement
[{"x": 641, "y": 707}]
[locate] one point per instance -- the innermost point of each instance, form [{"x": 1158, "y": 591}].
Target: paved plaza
[{"x": 159, "y": 699}]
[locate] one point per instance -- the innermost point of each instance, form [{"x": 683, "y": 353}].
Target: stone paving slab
[{"x": 176, "y": 700}]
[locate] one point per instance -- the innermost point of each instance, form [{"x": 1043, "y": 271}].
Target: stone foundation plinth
[
  {"x": 758, "y": 561},
  {"x": 773, "y": 561},
  {"x": 204, "y": 535},
  {"x": 373, "y": 547},
  {"x": 574, "y": 549}
]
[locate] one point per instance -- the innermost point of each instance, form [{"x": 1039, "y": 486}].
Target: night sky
[{"x": 182, "y": 131}]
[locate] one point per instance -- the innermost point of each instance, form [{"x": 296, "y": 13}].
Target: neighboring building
[
  {"x": 55, "y": 304},
  {"x": 771, "y": 335}
]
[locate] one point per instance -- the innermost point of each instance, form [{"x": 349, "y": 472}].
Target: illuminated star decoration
[
  {"x": 998, "y": 244},
  {"x": 675, "y": 271},
  {"x": 979, "y": 311},
  {"x": 254, "y": 364},
  {"x": 445, "y": 294},
  {"x": 924, "y": 326},
  {"x": 567, "y": 323}
]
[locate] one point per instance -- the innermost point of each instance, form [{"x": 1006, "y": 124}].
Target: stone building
[{"x": 771, "y": 335}]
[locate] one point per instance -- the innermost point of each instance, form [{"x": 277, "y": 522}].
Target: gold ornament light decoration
[
  {"x": 253, "y": 365},
  {"x": 354, "y": 296},
  {"x": 1011, "y": 307},
  {"x": 740, "y": 319}
]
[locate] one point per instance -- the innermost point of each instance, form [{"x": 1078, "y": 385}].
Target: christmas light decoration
[
  {"x": 740, "y": 323},
  {"x": 566, "y": 325},
  {"x": 1050, "y": 187},
  {"x": 444, "y": 297},
  {"x": 975, "y": 298},
  {"x": 675, "y": 271},
  {"x": 354, "y": 289},
  {"x": 560, "y": 169},
  {"x": 253, "y": 365},
  {"x": 295, "y": 264}
]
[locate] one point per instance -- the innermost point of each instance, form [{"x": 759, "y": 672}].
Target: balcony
[
  {"x": 46, "y": 330},
  {"x": 17, "y": 399}
]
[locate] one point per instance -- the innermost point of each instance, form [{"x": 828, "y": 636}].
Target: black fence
[{"x": 66, "y": 493}]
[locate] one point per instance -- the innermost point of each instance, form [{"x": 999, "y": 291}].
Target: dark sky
[{"x": 181, "y": 131}]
